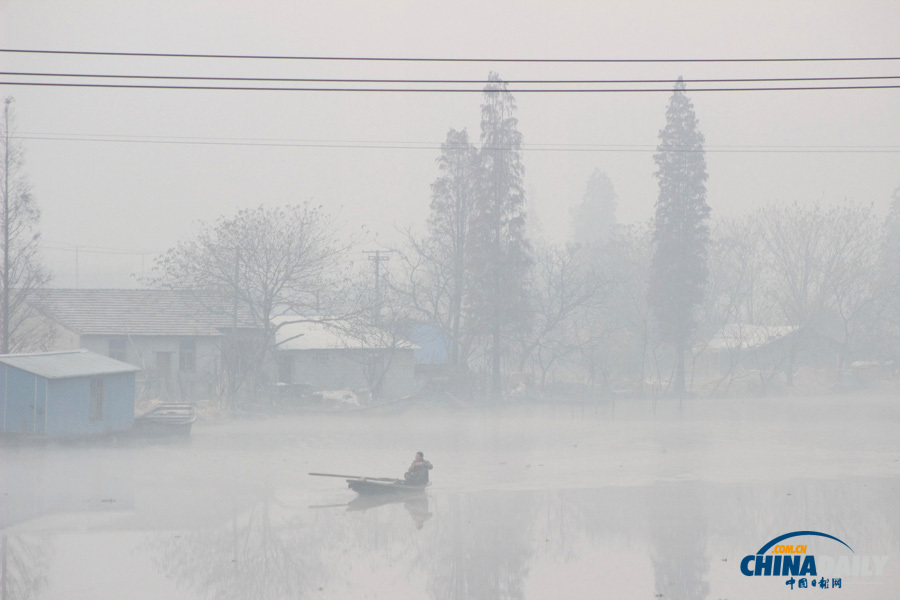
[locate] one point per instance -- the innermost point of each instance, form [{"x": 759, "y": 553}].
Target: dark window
[
  {"x": 117, "y": 348},
  {"x": 285, "y": 368},
  {"x": 97, "y": 399},
  {"x": 187, "y": 356}
]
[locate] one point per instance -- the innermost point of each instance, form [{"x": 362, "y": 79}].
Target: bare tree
[
  {"x": 263, "y": 262},
  {"x": 733, "y": 298},
  {"x": 619, "y": 326},
  {"x": 560, "y": 283},
  {"x": 851, "y": 267},
  {"x": 376, "y": 345},
  {"x": 887, "y": 311},
  {"x": 22, "y": 274},
  {"x": 436, "y": 274},
  {"x": 822, "y": 261}
]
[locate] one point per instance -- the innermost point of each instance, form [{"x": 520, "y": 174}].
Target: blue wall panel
[
  {"x": 62, "y": 407},
  {"x": 19, "y": 400},
  {"x": 69, "y": 412}
]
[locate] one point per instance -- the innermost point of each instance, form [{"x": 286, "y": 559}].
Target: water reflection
[
  {"x": 417, "y": 508},
  {"x": 416, "y": 505},
  {"x": 24, "y": 562},
  {"x": 684, "y": 541},
  {"x": 263, "y": 552},
  {"x": 235, "y": 516},
  {"x": 678, "y": 520},
  {"x": 481, "y": 547}
]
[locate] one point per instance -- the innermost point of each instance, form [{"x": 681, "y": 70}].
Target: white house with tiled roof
[{"x": 175, "y": 337}]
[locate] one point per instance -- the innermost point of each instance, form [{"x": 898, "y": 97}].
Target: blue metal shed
[{"x": 65, "y": 394}]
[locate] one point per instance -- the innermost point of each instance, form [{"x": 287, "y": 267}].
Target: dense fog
[
  {"x": 476, "y": 301},
  {"x": 628, "y": 498}
]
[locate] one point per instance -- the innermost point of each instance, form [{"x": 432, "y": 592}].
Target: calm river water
[{"x": 627, "y": 500}]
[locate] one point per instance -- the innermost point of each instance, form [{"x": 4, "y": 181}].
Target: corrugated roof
[
  {"x": 62, "y": 365},
  {"x": 332, "y": 335},
  {"x": 138, "y": 312}
]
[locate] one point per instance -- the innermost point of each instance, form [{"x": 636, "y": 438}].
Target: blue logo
[{"x": 777, "y": 559}]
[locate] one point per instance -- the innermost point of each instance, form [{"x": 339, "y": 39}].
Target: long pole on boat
[{"x": 353, "y": 477}]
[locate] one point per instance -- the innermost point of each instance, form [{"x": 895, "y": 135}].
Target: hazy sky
[{"x": 140, "y": 195}]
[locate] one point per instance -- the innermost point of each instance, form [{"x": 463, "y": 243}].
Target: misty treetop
[
  {"x": 269, "y": 257},
  {"x": 594, "y": 219}
]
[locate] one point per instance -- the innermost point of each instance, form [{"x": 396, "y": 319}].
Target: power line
[
  {"x": 445, "y": 90},
  {"x": 87, "y": 249},
  {"x": 449, "y": 59},
  {"x": 431, "y": 146},
  {"x": 446, "y": 81},
  {"x": 26, "y": 135}
]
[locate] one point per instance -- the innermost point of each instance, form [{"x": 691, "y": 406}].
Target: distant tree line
[
  {"x": 619, "y": 308},
  {"x": 632, "y": 308}
]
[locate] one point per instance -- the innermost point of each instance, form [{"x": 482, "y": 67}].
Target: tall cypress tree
[
  {"x": 449, "y": 224},
  {"x": 678, "y": 271},
  {"x": 502, "y": 254}
]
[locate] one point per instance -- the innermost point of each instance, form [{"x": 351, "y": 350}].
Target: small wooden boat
[
  {"x": 169, "y": 418},
  {"x": 371, "y": 486}
]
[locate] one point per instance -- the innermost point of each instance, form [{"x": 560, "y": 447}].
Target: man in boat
[{"x": 418, "y": 470}]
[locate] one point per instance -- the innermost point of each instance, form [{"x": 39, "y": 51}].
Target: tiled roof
[
  {"x": 137, "y": 311},
  {"x": 61, "y": 365}
]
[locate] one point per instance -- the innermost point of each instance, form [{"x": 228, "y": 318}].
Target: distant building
[
  {"x": 175, "y": 337},
  {"x": 323, "y": 356},
  {"x": 65, "y": 394},
  {"x": 743, "y": 347}
]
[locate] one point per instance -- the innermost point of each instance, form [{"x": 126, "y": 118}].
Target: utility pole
[
  {"x": 4, "y": 345},
  {"x": 377, "y": 257},
  {"x": 232, "y": 376}
]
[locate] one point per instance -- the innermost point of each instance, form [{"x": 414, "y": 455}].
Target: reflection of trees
[
  {"x": 483, "y": 544},
  {"x": 482, "y": 547},
  {"x": 747, "y": 516},
  {"x": 678, "y": 533},
  {"x": 263, "y": 553},
  {"x": 23, "y": 566}
]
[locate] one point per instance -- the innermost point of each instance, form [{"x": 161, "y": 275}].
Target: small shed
[
  {"x": 342, "y": 355},
  {"x": 65, "y": 394}
]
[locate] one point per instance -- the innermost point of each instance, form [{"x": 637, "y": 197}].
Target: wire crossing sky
[
  {"x": 141, "y": 119},
  {"x": 455, "y": 59}
]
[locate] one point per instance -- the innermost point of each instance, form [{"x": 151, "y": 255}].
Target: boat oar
[{"x": 354, "y": 477}]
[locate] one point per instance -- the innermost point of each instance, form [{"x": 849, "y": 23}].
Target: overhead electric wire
[
  {"x": 447, "y": 59},
  {"x": 82, "y": 249},
  {"x": 444, "y": 90},
  {"x": 443, "y": 81},
  {"x": 432, "y": 146}
]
